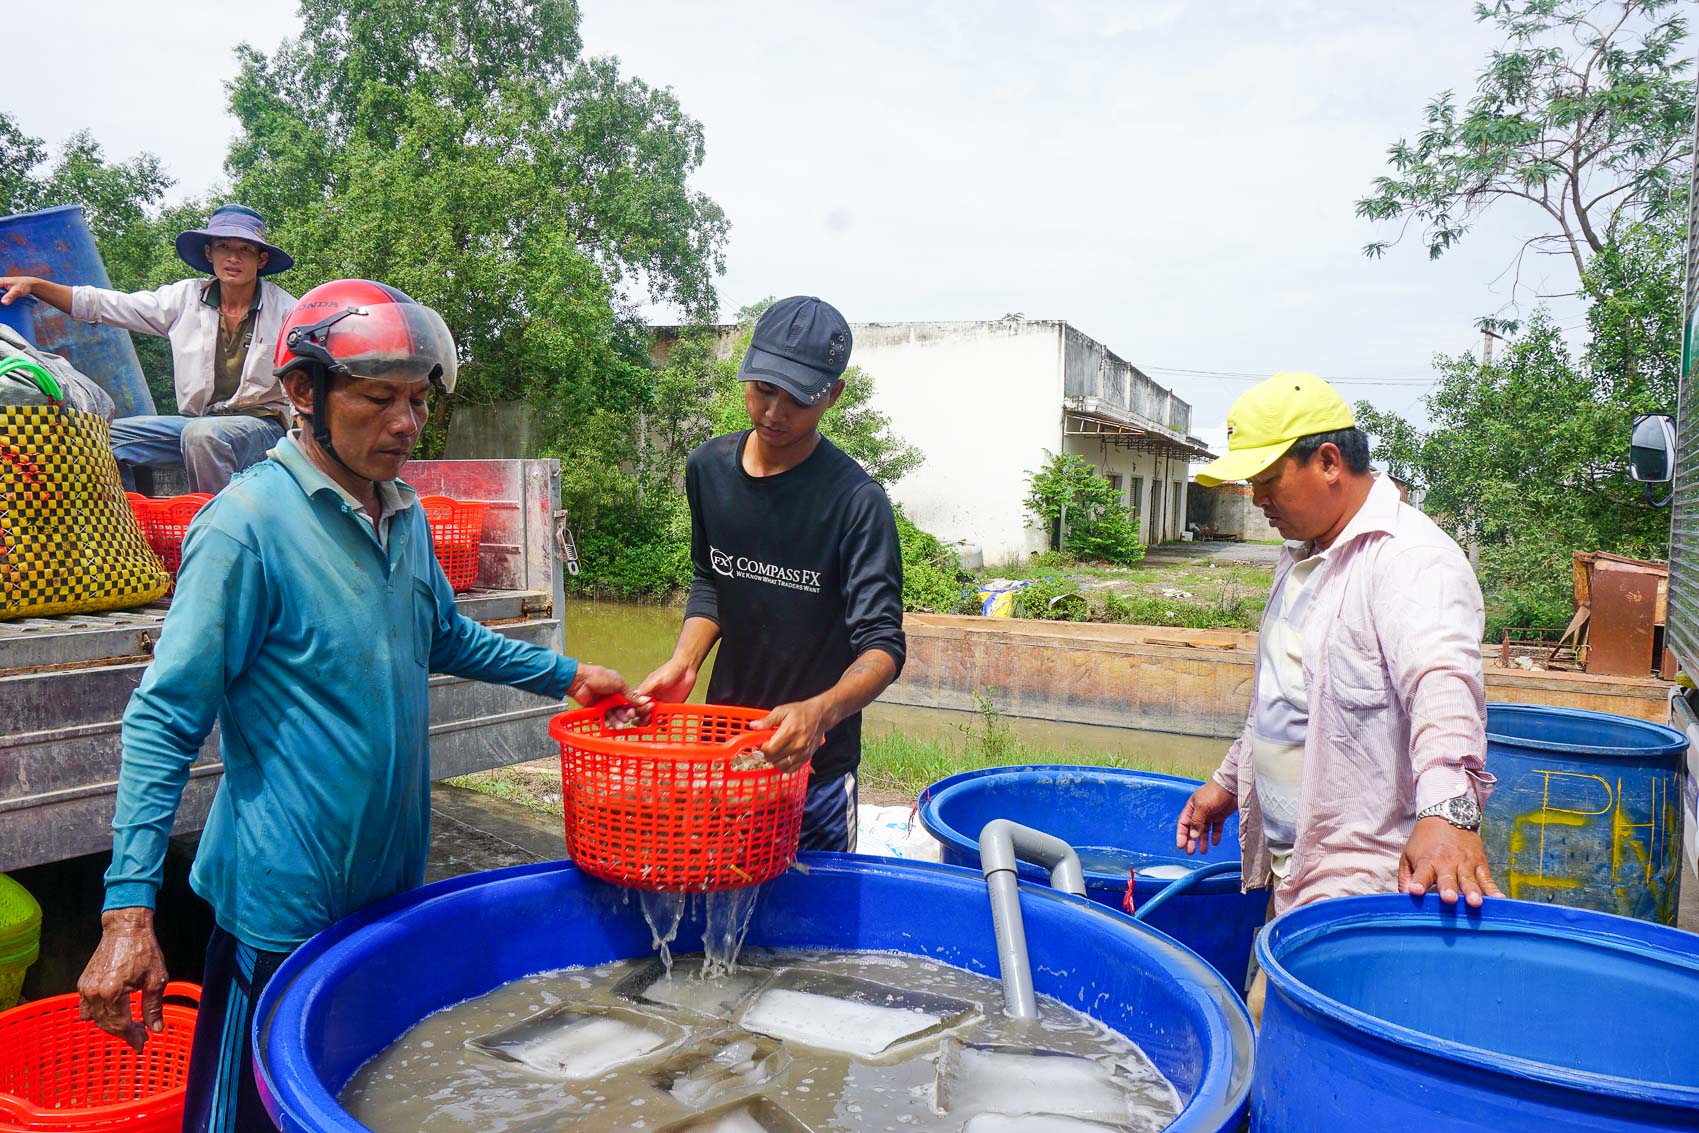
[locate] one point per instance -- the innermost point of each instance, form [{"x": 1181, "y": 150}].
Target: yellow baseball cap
[{"x": 1268, "y": 417}]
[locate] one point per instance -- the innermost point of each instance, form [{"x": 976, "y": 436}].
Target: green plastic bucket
[{"x": 20, "y": 938}]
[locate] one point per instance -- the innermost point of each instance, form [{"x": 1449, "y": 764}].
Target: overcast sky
[{"x": 1174, "y": 178}]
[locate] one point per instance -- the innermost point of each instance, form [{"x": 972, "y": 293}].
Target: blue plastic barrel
[
  {"x": 354, "y": 989},
  {"x": 1587, "y": 811},
  {"x": 1388, "y": 1014},
  {"x": 18, "y": 316},
  {"x": 55, "y": 244},
  {"x": 1116, "y": 819}
]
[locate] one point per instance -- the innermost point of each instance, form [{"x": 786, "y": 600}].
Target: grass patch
[
  {"x": 1199, "y": 595},
  {"x": 900, "y": 765},
  {"x": 534, "y": 785}
]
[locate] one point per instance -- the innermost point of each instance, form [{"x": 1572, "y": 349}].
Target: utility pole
[{"x": 1487, "y": 336}]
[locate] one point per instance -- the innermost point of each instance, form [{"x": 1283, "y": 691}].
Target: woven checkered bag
[{"x": 69, "y": 543}]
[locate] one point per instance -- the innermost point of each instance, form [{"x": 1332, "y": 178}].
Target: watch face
[{"x": 1465, "y": 812}]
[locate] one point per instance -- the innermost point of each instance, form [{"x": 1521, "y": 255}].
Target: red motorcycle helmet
[{"x": 354, "y": 328}]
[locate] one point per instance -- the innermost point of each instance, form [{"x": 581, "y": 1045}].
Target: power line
[{"x": 1247, "y": 376}]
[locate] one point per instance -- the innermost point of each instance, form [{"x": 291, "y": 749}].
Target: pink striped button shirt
[{"x": 1391, "y": 648}]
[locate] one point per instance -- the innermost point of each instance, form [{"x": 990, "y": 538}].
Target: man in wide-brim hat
[{"x": 231, "y": 410}]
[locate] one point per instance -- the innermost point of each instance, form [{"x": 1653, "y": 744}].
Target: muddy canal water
[{"x": 635, "y": 639}]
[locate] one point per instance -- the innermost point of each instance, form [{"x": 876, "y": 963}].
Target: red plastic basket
[
  {"x": 457, "y": 531},
  {"x": 662, "y": 806},
  {"x": 167, "y": 522},
  {"x": 62, "y": 1074}
]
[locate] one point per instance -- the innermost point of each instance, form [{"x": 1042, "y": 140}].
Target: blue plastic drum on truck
[
  {"x": 1587, "y": 811},
  {"x": 354, "y": 989},
  {"x": 1116, "y": 820},
  {"x": 1390, "y": 1014},
  {"x": 55, "y": 244}
]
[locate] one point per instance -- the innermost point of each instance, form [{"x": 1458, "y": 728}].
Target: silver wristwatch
[{"x": 1462, "y": 812}]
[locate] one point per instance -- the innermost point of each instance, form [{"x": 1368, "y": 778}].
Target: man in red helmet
[{"x": 310, "y": 612}]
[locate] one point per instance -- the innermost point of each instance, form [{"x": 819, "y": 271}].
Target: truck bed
[{"x": 64, "y": 681}]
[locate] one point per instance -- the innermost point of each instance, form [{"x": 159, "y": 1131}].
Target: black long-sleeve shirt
[{"x": 803, "y": 574}]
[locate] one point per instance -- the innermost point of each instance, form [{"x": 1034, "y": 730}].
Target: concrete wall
[
  {"x": 983, "y": 401},
  {"x": 1228, "y": 509},
  {"x": 1091, "y": 370},
  {"x": 1192, "y": 682}
]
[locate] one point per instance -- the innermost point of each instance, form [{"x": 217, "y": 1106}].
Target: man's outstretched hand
[
  {"x": 1202, "y": 819},
  {"x": 593, "y": 684}
]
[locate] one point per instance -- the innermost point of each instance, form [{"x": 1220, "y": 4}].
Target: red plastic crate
[
  {"x": 457, "y": 531},
  {"x": 665, "y": 806},
  {"x": 168, "y": 523},
  {"x": 60, "y": 1073}
]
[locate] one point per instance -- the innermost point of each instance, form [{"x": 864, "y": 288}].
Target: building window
[
  {"x": 1135, "y": 500},
  {"x": 1114, "y": 479}
]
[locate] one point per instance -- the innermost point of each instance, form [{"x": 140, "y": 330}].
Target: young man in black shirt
[{"x": 798, "y": 573}]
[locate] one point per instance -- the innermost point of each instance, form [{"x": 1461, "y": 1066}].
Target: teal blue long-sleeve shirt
[{"x": 311, "y": 646}]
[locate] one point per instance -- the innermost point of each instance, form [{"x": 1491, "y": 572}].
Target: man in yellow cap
[{"x": 1361, "y": 768}]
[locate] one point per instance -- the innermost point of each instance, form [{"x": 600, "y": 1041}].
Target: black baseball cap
[{"x": 801, "y": 345}]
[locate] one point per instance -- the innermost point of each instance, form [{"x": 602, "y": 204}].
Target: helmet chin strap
[{"x": 320, "y": 419}]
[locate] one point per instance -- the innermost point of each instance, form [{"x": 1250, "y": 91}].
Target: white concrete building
[{"x": 985, "y": 400}]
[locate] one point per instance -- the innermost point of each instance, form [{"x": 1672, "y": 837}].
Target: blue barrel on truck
[
  {"x": 55, "y": 244},
  {"x": 1587, "y": 811}
]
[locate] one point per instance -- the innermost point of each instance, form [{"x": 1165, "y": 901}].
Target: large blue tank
[
  {"x": 1587, "y": 811},
  {"x": 1116, "y": 819},
  {"x": 352, "y": 990},
  {"x": 1390, "y": 1014},
  {"x": 55, "y": 244}
]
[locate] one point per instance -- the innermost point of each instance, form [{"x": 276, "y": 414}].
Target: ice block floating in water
[
  {"x": 687, "y": 987},
  {"x": 847, "y": 1015},
  {"x": 578, "y": 1043},
  {"x": 726, "y": 1065},
  {"x": 1008, "y": 1080}
]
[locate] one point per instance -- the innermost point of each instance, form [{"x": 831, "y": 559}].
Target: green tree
[
  {"x": 1584, "y": 116},
  {"x": 1097, "y": 526},
  {"x": 1526, "y": 458},
  {"x": 461, "y": 150}
]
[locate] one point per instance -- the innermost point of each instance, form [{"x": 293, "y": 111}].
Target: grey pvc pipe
[{"x": 1002, "y": 846}]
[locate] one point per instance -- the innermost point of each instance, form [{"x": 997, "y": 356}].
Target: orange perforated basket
[
  {"x": 457, "y": 531},
  {"x": 662, "y": 806},
  {"x": 167, "y": 522},
  {"x": 62, "y": 1074}
]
